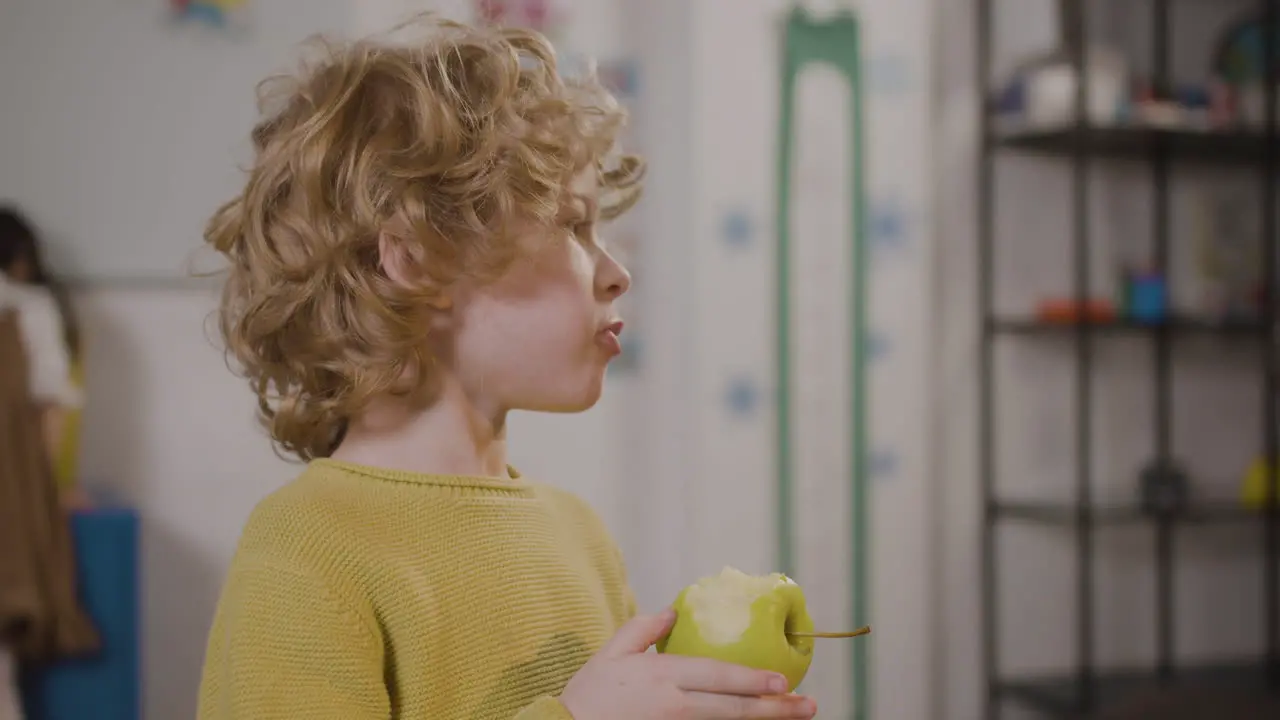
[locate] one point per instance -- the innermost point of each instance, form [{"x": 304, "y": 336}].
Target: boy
[{"x": 414, "y": 256}]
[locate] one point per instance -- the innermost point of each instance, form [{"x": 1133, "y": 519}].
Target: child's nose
[{"x": 613, "y": 280}]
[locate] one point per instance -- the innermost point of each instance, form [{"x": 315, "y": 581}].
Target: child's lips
[{"x": 608, "y": 338}]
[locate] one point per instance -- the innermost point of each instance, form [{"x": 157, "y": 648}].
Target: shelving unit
[
  {"x": 1089, "y": 689},
  {"x": 1177, "y": 326},
  {"x": 1138, "y": 143}
]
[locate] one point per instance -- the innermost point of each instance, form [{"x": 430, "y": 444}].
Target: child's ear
[
  {"x": 398, "y": 260},
  {"x": 402, "y": 261}
]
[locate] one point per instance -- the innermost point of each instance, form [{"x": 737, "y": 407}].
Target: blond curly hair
[{"x": 439, "y": 140}]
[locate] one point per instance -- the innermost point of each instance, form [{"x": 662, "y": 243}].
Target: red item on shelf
[{"x": 1071, "y": 312}]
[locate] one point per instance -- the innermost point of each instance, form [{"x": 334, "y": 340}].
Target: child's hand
[{"x": 623, "y": 682}]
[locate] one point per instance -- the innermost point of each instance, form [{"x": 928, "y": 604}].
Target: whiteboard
[{"x": 121, "y": 130}]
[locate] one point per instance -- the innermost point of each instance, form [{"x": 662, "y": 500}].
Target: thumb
[{"x": 639, "y": 633}]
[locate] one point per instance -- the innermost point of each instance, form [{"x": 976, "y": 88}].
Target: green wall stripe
[{"x": 836, "y": 42}]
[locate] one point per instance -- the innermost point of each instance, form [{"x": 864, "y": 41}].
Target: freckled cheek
[
  {"x": 549, "y": 326},
  {"x": 564, "y": 318}
]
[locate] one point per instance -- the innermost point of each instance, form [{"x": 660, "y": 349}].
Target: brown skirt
[{"x": 40, "y": 614}]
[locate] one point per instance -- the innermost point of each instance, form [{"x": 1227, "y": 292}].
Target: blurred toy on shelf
[
  {"x": 1069, "y": 312},
  {"x": 1225, "y": 274},
  {"x": 1164, "y": 489},
  {"x": 1042, "y": 92},
  {"x": 1238, "y": 61},
  {"x": 1254, "y": 489},
  {"x": 1145, "y": 296}
]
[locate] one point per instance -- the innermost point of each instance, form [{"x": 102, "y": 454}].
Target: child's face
[{"x": 540, "y": 337}]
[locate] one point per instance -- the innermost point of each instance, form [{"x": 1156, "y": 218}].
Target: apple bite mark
[{"x": 722, "y": 605}]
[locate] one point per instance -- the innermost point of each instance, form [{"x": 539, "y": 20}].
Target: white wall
[
  {"x": 143, "y": 148},
  {"x": 736, "y": 73},
  {"x": 170, "y": 431}
]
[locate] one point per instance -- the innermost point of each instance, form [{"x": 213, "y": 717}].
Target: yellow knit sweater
[{"x": 365, "y": 593}]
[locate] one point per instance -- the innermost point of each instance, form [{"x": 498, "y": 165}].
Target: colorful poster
[
  {"x": 546, "y": 16},
  {"x": 218, "y": 13}
]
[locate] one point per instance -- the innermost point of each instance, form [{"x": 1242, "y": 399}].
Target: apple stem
[{"x": 833, "y": 635}]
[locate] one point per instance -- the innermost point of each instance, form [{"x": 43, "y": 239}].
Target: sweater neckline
[{"x": 513, "y": 481}]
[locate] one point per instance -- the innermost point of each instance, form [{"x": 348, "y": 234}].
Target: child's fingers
[
  {"x": 736, "y": 707},
  {"x": 639, "y": 633},
  {"x": 713, "y": 676}
]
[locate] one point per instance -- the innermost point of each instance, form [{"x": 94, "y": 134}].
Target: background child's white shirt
[
  {"x": 40, "y": 323},
  {"x": 10, "y": 707}
]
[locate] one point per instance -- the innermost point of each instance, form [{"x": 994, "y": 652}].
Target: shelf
[
  {"x": 1235, "y": 147},
  {"x": 1060, "y": 697},
  {"x": 1201, "y": 512},
  {"x": 1181, "y": 326},
  {"x": 1167, "y": 687}
]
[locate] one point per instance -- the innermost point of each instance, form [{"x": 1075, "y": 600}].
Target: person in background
[
  {"x": 39, "y": 613},
  {"x": 52, "y": 341}
]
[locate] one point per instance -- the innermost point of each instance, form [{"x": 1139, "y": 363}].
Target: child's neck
[{"x": 452, "y": 437}]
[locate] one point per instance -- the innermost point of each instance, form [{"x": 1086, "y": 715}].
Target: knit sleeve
[
  {"x": 608, "y": 556},
  {"x": 547, "y": 708},
  {"x": 285, "y": 646}
]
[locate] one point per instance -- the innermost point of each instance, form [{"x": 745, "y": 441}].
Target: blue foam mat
[{"x": 107, "y": 686}]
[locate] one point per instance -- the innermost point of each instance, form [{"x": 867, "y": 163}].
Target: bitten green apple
[{"x": 744, "y": 619}]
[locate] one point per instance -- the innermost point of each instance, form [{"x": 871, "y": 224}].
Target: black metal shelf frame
[{"x": 1088, "y": 689}]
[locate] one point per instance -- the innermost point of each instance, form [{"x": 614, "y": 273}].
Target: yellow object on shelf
[{"x": 1255, "y": 486}]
